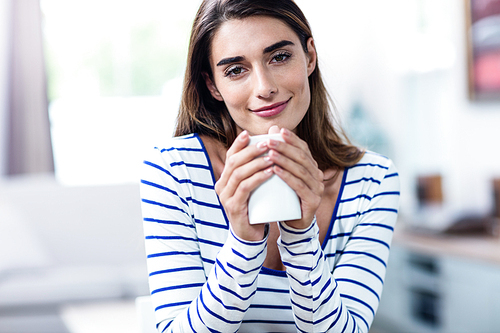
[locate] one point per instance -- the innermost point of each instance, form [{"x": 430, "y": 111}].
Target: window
[{"x": 115, "y": 71}]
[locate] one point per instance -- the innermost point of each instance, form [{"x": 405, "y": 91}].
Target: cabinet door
[{"x": 470, "y": 296}]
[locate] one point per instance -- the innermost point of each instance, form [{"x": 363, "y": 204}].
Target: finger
[
  {"x": 274, "y": 130},
  {"x": 294, "y": 159},
  {"x": 307, "y": 173},
  {"x": 238, "y": 154},
  {"x": 244, "y": 172},
  {"x": 293, "y": 147}
]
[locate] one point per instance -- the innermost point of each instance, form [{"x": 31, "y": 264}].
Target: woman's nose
[{"x": 265, "y": 85}]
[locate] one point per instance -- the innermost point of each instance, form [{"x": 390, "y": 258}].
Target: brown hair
[{"x": 201, "y": 113}]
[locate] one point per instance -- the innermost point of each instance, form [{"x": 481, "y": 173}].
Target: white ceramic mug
[{"x": 273, "y": 200}]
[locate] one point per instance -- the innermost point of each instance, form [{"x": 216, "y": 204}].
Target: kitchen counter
[{"x": 476, "y": 247}]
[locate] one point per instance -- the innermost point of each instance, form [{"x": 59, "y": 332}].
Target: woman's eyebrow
[
  {"x": 227, "y": 61},
  {"x": 277, "y": 45}
]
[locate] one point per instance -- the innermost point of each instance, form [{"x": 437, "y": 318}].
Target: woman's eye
[
  {"x": 281, "y": 57},
  {"x": 233, "y": 71}
]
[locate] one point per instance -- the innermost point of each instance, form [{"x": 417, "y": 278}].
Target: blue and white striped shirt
[{"x": 205, "y": 279}]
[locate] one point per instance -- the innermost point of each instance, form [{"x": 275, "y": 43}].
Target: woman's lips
[{"x": 271, "y": 110}]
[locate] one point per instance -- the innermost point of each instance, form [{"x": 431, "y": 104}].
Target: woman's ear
[
  {"x": 311, "y": 55},
  {"x": 212, "y": 88}
]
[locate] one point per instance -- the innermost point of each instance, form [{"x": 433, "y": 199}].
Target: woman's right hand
[{"x": 244, "y": 171}]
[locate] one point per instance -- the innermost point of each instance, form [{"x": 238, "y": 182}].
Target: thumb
[{"x": 274, "y": 130}]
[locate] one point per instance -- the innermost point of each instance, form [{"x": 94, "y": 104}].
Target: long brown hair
[{"x": 201, "y": 113}]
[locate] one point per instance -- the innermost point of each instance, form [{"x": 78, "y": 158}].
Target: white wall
[{"x": 406, "y": 60}]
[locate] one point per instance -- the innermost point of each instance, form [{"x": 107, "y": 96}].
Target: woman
[{"x": 252, "y": 69}]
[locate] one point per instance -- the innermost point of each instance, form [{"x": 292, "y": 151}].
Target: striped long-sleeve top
[{"x": 203, "y": 278}]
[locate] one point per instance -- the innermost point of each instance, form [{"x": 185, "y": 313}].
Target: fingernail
[
  {"x": 243, "y": 135},
  {"x": 273, "y": 143},
  {"x": 261, "y": 145},
  {"x": 269, "y": 170}
]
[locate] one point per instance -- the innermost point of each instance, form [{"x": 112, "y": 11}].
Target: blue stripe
[
  {"x": 180, "y": 181},
  {"x": 181, "y": 149},
  {"x": 395, "y": 174},
  {"x": 181, "y": 286},
  {"x": 362, "y": 253},
  {"x": 170, "y": 222},
  {"x": 281, "y": 291},
  {"x": 189, "y": 320},
  {"x": 211, "y": 224},
  {"x": 258, "y": 321},
  {"x": 301, "y": 306},
  {"x": 209, "y": 242},
  {"x": 359, "y": 301},
  {"x": 362, "y": 285},
  {"x": 258, "y": 243},
  {"x": 305, "y": 240},
  {"x": 177, "y": 269},
  {"x": 269, "y": 306},
  {"x": 199, "y": 315},
  {"x": 171, "y": 238},
  {"x": 206, "y": 204},
  {"x": 366, "y": 212},
  {"x": 365, "y": 196},
  {"x": 308, "y": 282},
  {"x": 168, "y": 325},
  {"x": 338, "y": 317},
  {"x": 245, "y": 258},
  {"x": 387, "y": 193},
  {"x": 293, "y": 254},
  {"x": 362, "y": 268},
  {"x": 302, "y": 268},
  {"x": 173, "y": 253},
  {"x": 377, "y": 225},
  {"x": 346, "y": 234},
  {"x": 205, "y": 241},
  {"x": 169, "y": 305},
  {"x": 371, "y": 164},
  {"x": 241, "y": 270},
  {"x": 151, "y": 202},
  {"x": 232, "y": 292},
  {"x": 145, "y": 182},
  {"x": 332, "y": 292},
  {"x": 361, "y": 196},
  {"x": 359, "y": 316},
  {"x": 190, "y": 165},
  {"x": 232, "y": 308},
  {"x": 371, "y": 179},
  {"x": 301, "y": 232},
  {"x": 219, "y": 264},
  {"x": 301, "y": 295},
  {"x": 372, "y": 240}
]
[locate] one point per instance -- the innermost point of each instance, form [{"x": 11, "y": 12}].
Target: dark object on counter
[
  {"x": 430, "y": 189},
  {"x": 496, "y": 197},
  {"x": 475, "y": 225}
]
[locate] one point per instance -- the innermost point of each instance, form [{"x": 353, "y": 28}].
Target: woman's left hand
[{"x": 295, "y": 164}]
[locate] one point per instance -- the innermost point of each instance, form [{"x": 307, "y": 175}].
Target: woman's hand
[
  {"x": 296, "y": 166},
  {"x": 244, "y": 171}
]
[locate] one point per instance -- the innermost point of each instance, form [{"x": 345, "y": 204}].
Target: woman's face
[{"x": 260, "y": 71}]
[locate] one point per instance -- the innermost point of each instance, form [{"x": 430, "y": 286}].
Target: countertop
[{"x": 476, "y": 247}]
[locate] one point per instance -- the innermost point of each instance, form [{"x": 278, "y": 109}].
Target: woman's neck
[{"x": 216, "y": 152}]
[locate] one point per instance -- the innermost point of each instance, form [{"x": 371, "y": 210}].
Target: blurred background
[{"x": 86, "y": 87}]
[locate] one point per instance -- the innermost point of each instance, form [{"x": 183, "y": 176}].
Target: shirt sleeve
[
  {"x": 184, "y": 298},
  {"x": 345, "y": 298}
]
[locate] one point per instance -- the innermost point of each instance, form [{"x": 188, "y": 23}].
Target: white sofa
[{"x": 62, "y": 244}]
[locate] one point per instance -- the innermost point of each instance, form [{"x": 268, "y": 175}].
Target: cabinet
[{"x": 429, "y": 292}]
